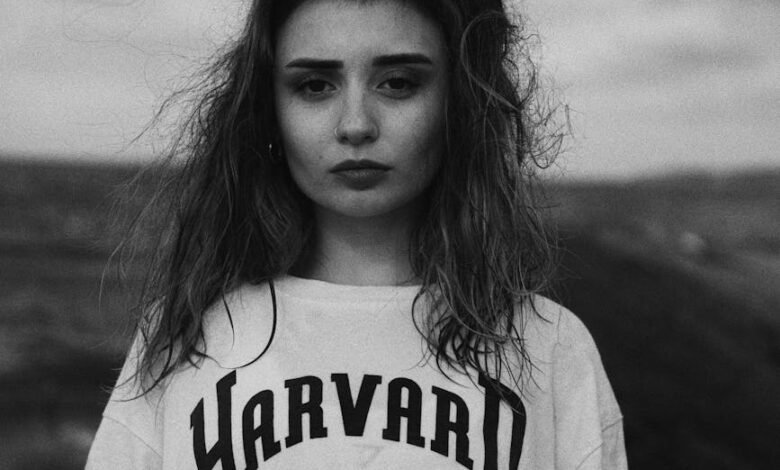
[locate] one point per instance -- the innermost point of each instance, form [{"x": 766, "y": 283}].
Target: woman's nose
[{"x": 357, "y": 124}]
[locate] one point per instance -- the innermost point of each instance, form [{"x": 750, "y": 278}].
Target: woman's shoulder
[
  {"x": 566, "y": 360},
  {"x": 235, "y": 326},
  {"x": 587, "y": 412},
  {"x": 547, "y": 325},
  {"x": 241, "y": 302}
]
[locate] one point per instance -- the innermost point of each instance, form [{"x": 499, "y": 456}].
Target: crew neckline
[{"x": 315, "y": 289}]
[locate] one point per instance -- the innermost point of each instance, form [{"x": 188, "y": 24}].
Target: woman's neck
[{"x": 360, "y": 251}]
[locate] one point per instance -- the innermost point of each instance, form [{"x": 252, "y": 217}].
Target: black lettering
[
  {"x": 460, "y": 427},
  {"x": 490, "y": 426},
  {"x": 412, "y": 412},
  {"x": 223, "y": 449},
  {"x": 490, "y": 423},
  {"x": 355, "y": 413},
  {"x": 297, "y": 408},
  {"x": 264, "y": 430}
]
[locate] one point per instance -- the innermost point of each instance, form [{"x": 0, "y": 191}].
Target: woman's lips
[
  {"x": 360, "y": 174},
  {"x": 347, "y": 165}
]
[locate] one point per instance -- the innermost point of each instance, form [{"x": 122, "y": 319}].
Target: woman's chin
[{"x": 366, "y": 206}]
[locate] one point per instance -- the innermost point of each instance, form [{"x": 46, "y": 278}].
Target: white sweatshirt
[{"x": 346, "y": 384}]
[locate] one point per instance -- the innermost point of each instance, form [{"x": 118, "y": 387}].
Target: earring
[{"x": 274, "y": 152}]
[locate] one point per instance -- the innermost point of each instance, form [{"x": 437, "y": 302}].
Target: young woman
[{"x": 350, "y": 274}]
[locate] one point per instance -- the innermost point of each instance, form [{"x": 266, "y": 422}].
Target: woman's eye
[
  {"x": 399, "y": 87},
  {"x": 315, "y": 88}
]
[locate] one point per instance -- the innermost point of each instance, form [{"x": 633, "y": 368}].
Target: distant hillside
[
  {"x": 53, "y": 202},
  {"x": 740, "y": 211}
]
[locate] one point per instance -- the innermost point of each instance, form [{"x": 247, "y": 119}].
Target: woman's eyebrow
[
  {"x": 406, "y": 58},
  {"x": 380, "y": 61},
  {"x": 307, "y": 63}
]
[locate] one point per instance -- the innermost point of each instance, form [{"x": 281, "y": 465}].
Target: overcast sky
[{"x": 653, "y": 86}]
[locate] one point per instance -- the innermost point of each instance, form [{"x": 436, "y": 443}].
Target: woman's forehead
[{"x": 340, "y": 29}]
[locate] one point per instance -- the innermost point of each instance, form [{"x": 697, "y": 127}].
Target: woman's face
[{"x": 360, "y": 95}]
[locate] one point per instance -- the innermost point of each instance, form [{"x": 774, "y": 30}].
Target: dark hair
[{"x": 231, "y": 213}]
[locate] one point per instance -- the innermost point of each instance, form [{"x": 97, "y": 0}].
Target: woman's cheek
[{"x": 429, "y": 138}]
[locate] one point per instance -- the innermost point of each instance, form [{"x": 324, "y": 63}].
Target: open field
[{"x": 677, "y": 279}]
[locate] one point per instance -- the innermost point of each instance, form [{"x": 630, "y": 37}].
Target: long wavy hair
[{"x": 227, "y": 212}]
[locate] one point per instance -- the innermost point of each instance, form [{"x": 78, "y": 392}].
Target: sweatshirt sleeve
[
  {"x": 117, "y": 447},
  {"x": 130, "y": 433},
  {"x": 611, "y": 454},
  {"x": 588, "y": 420}
]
